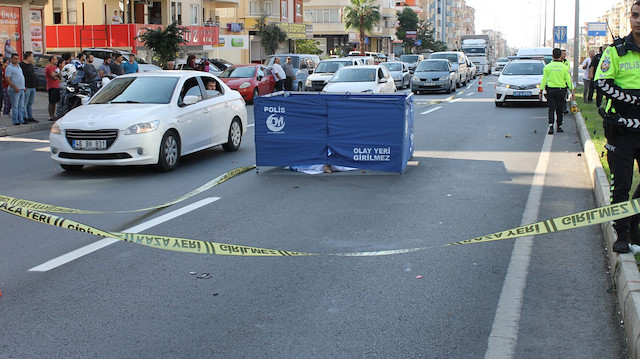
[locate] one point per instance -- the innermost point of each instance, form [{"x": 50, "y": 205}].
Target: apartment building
[
  {"x": 326, "y": 16},
  {"x": 450, "y": 19},
  {"x": 618, "y": 18}
]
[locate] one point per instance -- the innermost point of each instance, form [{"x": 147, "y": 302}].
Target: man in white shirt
[
  {"x": 586, "y": 77},
  {"x": 278, "y": 73}
]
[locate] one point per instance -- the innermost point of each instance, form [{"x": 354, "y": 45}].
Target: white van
[{"x": 545, "y": 52}]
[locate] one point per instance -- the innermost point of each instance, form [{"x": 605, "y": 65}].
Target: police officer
[
  {"x": 556, "y": 80},
  {"x": 618, "y": 77}
]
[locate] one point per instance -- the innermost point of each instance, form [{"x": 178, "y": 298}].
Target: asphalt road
[{"x": 472, "y": 174}]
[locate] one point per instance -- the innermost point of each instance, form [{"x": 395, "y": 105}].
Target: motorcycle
[{"x": 74, "y": 95}]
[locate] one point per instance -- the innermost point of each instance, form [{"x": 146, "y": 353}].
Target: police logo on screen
[{"x": 275, "y": 121}]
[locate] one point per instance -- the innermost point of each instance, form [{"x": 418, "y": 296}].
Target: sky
[{"x": 521, "y": 20}]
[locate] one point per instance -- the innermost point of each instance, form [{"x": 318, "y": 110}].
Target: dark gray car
[{"x": 434, "y": 75}]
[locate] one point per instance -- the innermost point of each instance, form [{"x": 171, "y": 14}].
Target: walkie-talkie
[{"x": 617, "y": 42}]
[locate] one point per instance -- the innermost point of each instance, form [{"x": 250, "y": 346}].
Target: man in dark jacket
[{"x": 30, "y": 82}]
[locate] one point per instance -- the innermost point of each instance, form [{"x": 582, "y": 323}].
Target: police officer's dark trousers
[
  {"x": 623, "y": 151},
  {"x": 555, "y": 101}
]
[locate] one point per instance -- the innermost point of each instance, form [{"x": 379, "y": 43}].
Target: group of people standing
[
  {"x": 589, "y": 65},
  {"x": 284, "y": 74},
  {"x": 19, "y": 88}
]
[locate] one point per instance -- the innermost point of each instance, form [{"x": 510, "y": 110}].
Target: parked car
[
  {"x": 472, "y": 69},
  {"x": 458, "y": 62},
  {"x": 303, "y": 66},
  {"x": 150, "y": 118},
  {"x": 364, "y": 78},
  {"x": 411, "y": 60},
  {"x": 500, "y": 64},
  {"x": 434, "y": 75},
  {"x": 251, "y": 80},
  {"x": 325, "y": 70},
  {"x": 378, "y": 57},
  {"x": 215, "y": 66},
  {"x": 520, "y": 82},
  {"x": 99, "y": 54},
  {"x": 399, "y": 72},
  {"x": 40, "y": 62}
]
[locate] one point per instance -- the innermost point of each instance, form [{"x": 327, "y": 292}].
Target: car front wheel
[
  {"x": 235, "y": 136},
  {"x": 169, "y": 154},
  {"x": 256, "y": 93}
]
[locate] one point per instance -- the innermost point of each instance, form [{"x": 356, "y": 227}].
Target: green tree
[
  {"x": 165, "y": 43},
  {"x": 407, "y": 21},
  {"x": 426, "y": 36},
  {"x": 271, "y": 35},
  {"x": 308, "y": 46},
  {"x": 362, "y": 15}
]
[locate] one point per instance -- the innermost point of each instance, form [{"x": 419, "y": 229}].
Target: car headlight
[
  {"x": 415, "y": 78},
  {"x": 502, "y": 84},
  {"x": 244, "y": 85},
  {"x": 444, "y": 78},
  {"x": 55, "y": 128},
  {"x": 307, "y": 83},
  {"x": 142, "y": 127}
]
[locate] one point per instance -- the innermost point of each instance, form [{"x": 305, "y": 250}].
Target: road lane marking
[
  {"x": 251, "y": 125},
  {"x": 471, "y": 93},
  {"x": 431, "y": 110},
  {"x": 504, "y": 332},
  {"x": 22, "y": 139},
  {"x": 73, "y": 255},
  {"x": 455, "y": 100}
]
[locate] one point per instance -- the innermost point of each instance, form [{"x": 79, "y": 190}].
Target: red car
[{"x": 250, "y": 80}]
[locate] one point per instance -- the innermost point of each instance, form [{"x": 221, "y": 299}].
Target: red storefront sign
[
  {"x": 124, "y": 35},
  {"x": 10, "y": 29}
]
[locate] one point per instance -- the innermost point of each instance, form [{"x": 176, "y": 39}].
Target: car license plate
[
  {"x": 89, "y": 144},
  {"x": 522, "y": 93},
  {"x": 429, "y": 83}
]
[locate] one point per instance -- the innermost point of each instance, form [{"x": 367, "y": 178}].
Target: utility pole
[
  {"x": 553, "y": 29},
  {"x": 544, "y": 40}
]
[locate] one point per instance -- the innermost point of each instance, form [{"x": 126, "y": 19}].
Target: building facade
[
  {"x": 21, "y": 26},
  {"x": 450, "y": 19}
]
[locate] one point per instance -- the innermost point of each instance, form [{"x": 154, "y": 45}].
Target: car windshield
[
  {"x": 409, "y": 58},
  {"x": 295, "y": 61},
  {"x": 141, "y": 89},
  {"x": 523, "y": 68},
  {"x": 393, "y": 66},
  {"x": 331, "y": 66},
  {"x": 432, "y": 66},
  {"x": 354, "y": 74},
  {"x": 453, "y": 58},
  {"x": 238, "y": 72}
]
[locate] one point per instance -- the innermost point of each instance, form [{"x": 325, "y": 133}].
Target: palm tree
[{"x": 362, "y": 15}]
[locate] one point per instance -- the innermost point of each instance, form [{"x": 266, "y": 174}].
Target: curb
[
  {"x": 19, "y": 130},
  {"x": 626, "y": 275}
]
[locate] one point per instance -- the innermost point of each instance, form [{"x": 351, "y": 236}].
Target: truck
[{"x": 479, "y": 50}]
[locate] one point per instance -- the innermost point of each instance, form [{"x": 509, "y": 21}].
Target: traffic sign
[
  {"x": 560, "y": 34},
  {"x": 597, "y": 29}
]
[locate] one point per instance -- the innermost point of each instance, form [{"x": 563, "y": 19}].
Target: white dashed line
[{"x": 431, "y": 110}]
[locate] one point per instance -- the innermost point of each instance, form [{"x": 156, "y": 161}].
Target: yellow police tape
[
  {"x": 49, "y": 208},
  {"x": 575, "y": 220}
]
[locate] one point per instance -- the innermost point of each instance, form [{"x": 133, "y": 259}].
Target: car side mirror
[
  {"x": 259, "y": 78},
  {"x": 190, "y": 100}
]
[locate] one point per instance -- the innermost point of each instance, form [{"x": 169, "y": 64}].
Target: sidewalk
[{"x": 40, "y": 113}]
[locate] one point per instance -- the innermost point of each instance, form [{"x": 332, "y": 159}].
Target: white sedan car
[
  {"x": 150, "y": 118},
  {"x": 357, "y": 79},
  {"x": 519, "y": 82}
]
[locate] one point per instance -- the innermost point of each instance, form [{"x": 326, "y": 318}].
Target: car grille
[
  {"x": 317, "y": 85},
  {"x": 108, "y": 135},
  {"x": 94, "y": 156},
  {"x": 430, "y": 79}
]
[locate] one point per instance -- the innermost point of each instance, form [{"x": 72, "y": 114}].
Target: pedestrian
[
  {"x": 171, "y": 65},
  {"x": 30, "y": 82},
  {"x": 90, "y": 73},
  {"x": 586, "y": 77},
  {"x": 53, "y": 83},
  {"x": 289, "y": 75},
  {"x": 8, "y": 49},
  {"x": 116, "y": 19},
  {"x": 131, "y": 66},
  {"x": 6, "y": 100},
  {"x": 618, "y": 76},
  {"x": 278, "y": 74},
  {"x": 594, "y": 66},
  {"x": 78, "y": 62},
  {"x": 15, "y": 79},
  {"x": 556, "y": 80},
  {"x": 104, "y": 70},
  {"x": 116, "y": 65}
]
